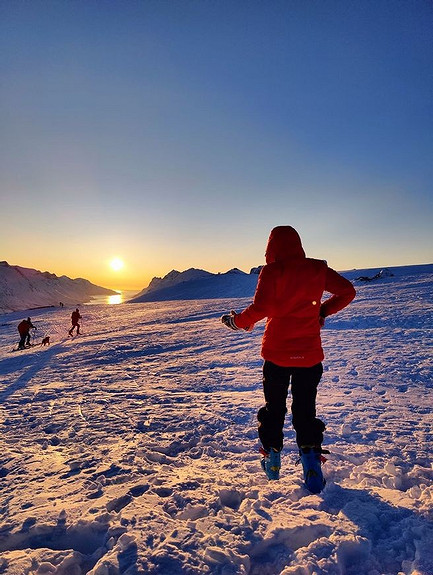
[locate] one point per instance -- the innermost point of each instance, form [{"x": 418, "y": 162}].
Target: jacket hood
[{"x": 284, "y": 243}]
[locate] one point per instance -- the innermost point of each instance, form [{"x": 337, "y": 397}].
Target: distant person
[
  {"x": 75, "y": 317},
  {"x": 289, "y": 294},
  {"x": 61, "y": 304},
  {"x": 24, "y": 328}
]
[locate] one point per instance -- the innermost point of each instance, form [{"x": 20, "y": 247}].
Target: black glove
[
  {"x": 229, "y": 320},
  {"x": 322, "y": 316}
]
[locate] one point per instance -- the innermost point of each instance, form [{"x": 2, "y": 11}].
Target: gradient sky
[{"x": 176, "y": 134}]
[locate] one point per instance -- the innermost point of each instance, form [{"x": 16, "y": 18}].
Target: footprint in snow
[
  {"x": 230, "y": 498},
  {"x": 138, "y": 490},
  {"x": 163, "y": 491},
  {"x": 93, "y": 489},
  {"x": 119, "y": 503}
]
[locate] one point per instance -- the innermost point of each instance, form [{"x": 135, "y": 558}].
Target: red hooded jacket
[
  {"x": 75, "y": 317},
  {"x": 24, "y": 326},
  {"x": 289, "y": 294}
]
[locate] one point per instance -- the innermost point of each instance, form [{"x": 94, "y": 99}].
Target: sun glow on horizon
[{"x": 117, "y": 264}]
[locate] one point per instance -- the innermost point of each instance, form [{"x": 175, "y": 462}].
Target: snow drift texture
[
  {"x": 133, "y": 449},
  {"x": 25, "y": 288}
]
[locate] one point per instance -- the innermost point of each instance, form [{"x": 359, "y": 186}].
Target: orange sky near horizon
[{"x": 137, "y": 273}]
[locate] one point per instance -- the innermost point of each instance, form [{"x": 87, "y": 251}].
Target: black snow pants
[
  {"x": 24, "y": 340},
  {"x": 303, "y": 382}
]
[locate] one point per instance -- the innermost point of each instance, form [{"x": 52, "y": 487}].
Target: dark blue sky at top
[{"x": 267, "y": 107}]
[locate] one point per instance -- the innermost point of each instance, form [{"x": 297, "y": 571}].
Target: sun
[{"x": 116, "y": 264}]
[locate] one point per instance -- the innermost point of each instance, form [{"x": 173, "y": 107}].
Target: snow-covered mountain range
[
  {"x": 199, "y": 284},
  {"x": 194, "y": 284},
  {"x": 26, "y": 288}
]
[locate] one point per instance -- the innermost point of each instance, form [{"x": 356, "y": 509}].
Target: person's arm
[
  {"x": 342, "y": 292},
  {"x": 262, "y": 302}
]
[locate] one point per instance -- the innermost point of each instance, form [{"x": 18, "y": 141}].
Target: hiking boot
[
  {"x": 271, "y": 463},
  {"x": 311, "y": 459}
]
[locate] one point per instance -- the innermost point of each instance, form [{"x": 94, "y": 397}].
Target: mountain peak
[{"x": 236, "y": 271}]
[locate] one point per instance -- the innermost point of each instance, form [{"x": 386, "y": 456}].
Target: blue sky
[{"x": 176, "y": 134}]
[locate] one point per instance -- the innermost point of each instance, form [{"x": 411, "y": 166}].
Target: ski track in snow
[{"x": 133, "y": 449}]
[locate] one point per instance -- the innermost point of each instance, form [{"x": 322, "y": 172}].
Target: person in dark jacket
[
  {"x": 24, "y": 330},
  {"x": 75, "y": 317},
  {"x": 289, "y": 294}
]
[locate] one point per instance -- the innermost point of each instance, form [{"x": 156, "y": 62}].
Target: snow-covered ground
[{"x": 132, "y": 449}]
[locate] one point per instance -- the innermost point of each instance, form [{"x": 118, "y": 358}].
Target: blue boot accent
[
  {"x": 311, "y": 464},
  {"x": 271, "y": 463}
]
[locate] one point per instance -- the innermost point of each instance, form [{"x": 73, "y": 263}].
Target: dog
[{"x": 46, "y": 340}]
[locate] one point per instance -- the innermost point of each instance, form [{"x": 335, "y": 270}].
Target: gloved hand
[
  {"x": 322, "y": 316},
  {"x": 229, "y": 320}
]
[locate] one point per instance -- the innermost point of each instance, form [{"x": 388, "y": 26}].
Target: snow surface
[
  {"x": 25, "y": 288},
  {"x": 133, "y": 449}
]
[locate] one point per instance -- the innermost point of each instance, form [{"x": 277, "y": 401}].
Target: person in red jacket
[
  {"x": 289, "y": 294},
  {"x": 75, "y": 317},
  {"x": 24, "y": 330}
]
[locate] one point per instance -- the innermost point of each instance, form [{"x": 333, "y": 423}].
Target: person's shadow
[
  {"x": 128, "y": 559},
  {"x": 35, "y": 364},
  {"x": 387, "y": 535}
]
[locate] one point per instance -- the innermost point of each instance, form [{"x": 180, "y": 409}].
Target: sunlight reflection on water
[
  {"x": 121, "y": 297},
  {"x": 115, "y": 299}
]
